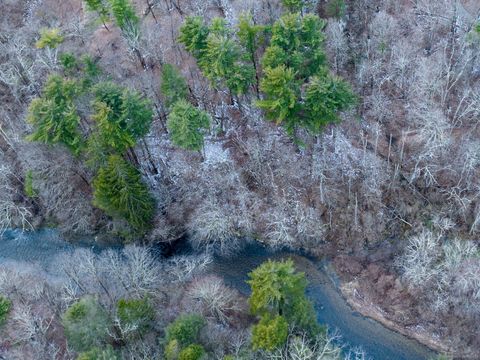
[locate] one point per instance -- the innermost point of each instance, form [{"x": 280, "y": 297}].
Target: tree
[
  {"x": 174, "y": 86},
  {"x": 185, "y": 329},
  {"x": 86, "y": 324},
  {"x": 293, "y": 5},
  {"x": 270, "y": 333},
  {"x": 134, "y": 316},
  {"x": 122, "y": 116},
  {"x": 193, "y": 34},
  {"x": 54, "y": 115},
  {"x": 49, "y": 38},
  {"x": 192, "y": 352},
  {"x": 5, "y": 306},
  {"x": 124, "y": 14},
  {"x": 278, "y": 290},
  {"x": 186, "y": 125},
  {"x": 101, "y": 7},
  {"x": 299, "y": 90},
  {"x": 220, "y": 57},
  {"x": 282, "y": 92},
  {"x": 120, "y": 192}
]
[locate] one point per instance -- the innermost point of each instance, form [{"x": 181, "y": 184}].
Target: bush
[
  {"x": 5, "y": 306},
  {"x": 185, "y": 329},
  {"x": 192, "y": 352},
  {"x": 86, "y": 324},
  {"x": 171, "y": 350}
]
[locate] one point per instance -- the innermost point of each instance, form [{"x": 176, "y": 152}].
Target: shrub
[{"x": 98, "y": 354}]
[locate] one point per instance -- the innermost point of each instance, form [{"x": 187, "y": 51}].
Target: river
[{"x": 379, "y": 343}]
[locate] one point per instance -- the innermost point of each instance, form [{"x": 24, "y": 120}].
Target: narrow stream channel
[{"x": 380, "y": 343}]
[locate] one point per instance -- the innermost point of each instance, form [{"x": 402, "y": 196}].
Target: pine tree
[
  {"x": 270, "y": 333},
  {"x": 298, "y": 89},
  {"x": 122, "y": 116},
  {"x": 54, "y": 115},
  {"x": 120, "y": 192},
  {"x": 174, "y": 86},
  {"x": 124, "y": 14},
  {"x": 101, "y": 7},
  {"x": 193, "y": 34},
  {"x": 293, "y": 5},
  {"x": 186, "y": 125}
]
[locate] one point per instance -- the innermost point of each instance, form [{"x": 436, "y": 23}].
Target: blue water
[{"x": 41, "y": 248}]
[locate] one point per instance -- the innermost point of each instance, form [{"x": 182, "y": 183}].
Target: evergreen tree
[
  {"x": 135, "y": 314},
  {"x": 185, "y": 329},
  {"x": 5, "y": 306},
  {"x": 186, "y": 125},
  {"x": 293, "y": 5},
  {"x": 270, "y": 333},
  {"x": 278, "y": 290},
  {"x": 194, "y": 34},
  {"x": 221, "y": 59},
  {"x": 101, "y": 7},
  {"x": 299, "y": 90},
  {"x": 86, "y": 324},
  {"x": 174, "y": 86},
  {"x": 122, "y": 116},
  {"x": 54, "y": 115},
  {"x": 120, "y": 192},
  {"x": 125, "y": 16}
]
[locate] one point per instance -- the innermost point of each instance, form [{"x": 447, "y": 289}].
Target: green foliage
[
  {"x": 125, "y": 17},
  {"x": 122, "y": 116},
  {"x": 192, "y": 352},
  {"x": 100, "y": 7},
  {"x": 186, "y": 125},
  {"x": 249, "y": 34},
  {"x": 172, "y": 350},
  {"x": 173, "y": 87},
  {"x": 86, "y": 324},
  {"x": 297, "y": 43},
  {"x": 120, "y": 192},
  {"x": 69, "y": 62},
  {"x": 135, "y": 314},
  {"x": 99, "y": 354},
  {"x": 297, "y": 77},
  {"x": 30, "y": 191},
  {"x": 277, "y": 289},
  {"x": 5, "y": 306},
  {"x": 54, "y": 115},
  {"x": 50, "y": 38},
  {"x": 185, "y": 329},
  {"x": 270, "y": 333},
  {"x": 335, "y": 8},
  {"x": 193, "y": 34},
  {"x": 324, "y": 97},
  {"x": 283, "y": 92},
  {"x": 293, "y": 5},
  {"x": 220, "y": 57}
]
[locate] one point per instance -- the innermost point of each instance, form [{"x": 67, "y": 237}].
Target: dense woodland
[{"x": 341, "y": 128}]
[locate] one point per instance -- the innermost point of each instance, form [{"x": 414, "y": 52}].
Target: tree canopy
[
  {"x": 173, "y": 87},
  {"x": 121, "y": 193},
  {"x": 186, "y": 125}
]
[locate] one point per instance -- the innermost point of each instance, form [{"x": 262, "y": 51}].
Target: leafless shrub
[
  {"x": 337, "y": 45},
  {"x": 183, "y": 268}
]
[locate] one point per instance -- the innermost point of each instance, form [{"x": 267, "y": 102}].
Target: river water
[{"x": 379, "y": 343}]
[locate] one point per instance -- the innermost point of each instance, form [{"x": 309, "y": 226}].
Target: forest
[{"x": 154, "y": 137}]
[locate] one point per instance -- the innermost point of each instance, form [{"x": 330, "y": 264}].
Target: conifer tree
[
  {"x": 121, "y": 193},
  {"x": 174, "y": 86},
  {"x": 186, "y": 125},
  {"x": 49, "y": 38},
  {"x": 54, "y": 115},
  {"x": 101, "y": 7},
  {"x": 293, "y": 5},
  {"x": 298, "y": 89},
  {"x": 279, "y": 290}
]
